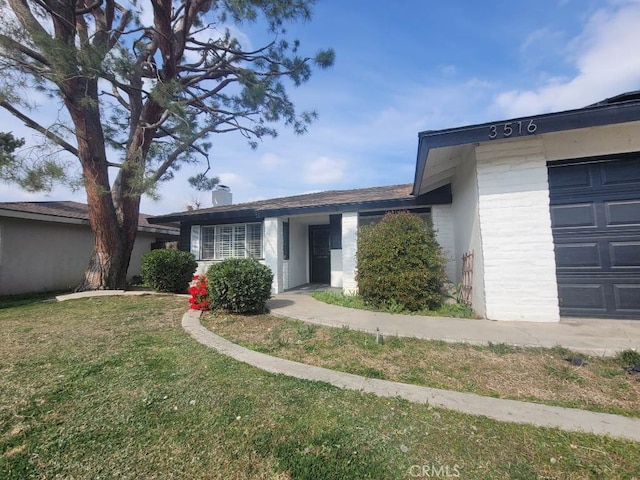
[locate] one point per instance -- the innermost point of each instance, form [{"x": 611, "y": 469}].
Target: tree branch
[
  {"x": 36, "y": 126},
  {"x": 26, "y": 18},
  {"x": 184, "y": 147},
  {"x": 89, "y": 8},
  {"x": 209, "y": 93},
  {"x": 32, "y": 54},
  {"x": 124, "y": 21}
]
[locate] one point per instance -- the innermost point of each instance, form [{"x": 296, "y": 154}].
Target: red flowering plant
[{"x": 199, "y": 299}]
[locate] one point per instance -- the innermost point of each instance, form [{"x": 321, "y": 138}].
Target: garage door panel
[
  {"x": 572, "y": 216},
  {"x": 578, "y": 255},
  {"x": 625, "y": 255},
  {"x": 599, "y": 297},
  {"x": 571, "y": 177},
  {"x": 625, "y": 213},
  {"x": 583, "y": 296},
  {"x": 595, "y": 217},
  {"x": 627, "y": 297},
  {"x": 615, "y": 173}
]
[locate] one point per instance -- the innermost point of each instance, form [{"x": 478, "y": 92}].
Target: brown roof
[
  {"x": 309, "y": 200},
  {"x": 74, "y": 210}
]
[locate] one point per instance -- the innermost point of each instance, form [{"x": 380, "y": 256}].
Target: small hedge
[
  {"x": 167, "y": 270},
  {"x": 239, "y": 285},
  {"x": 400, "y": 264}
]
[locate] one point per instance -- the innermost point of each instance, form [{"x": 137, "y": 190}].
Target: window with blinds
[{"x": 231, "y": 241}]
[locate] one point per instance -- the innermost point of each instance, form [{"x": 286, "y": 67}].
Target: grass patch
[
  {"x": 12, "y": 301},
  {"x": 553, "y": 376},
  {"x": 114, "y": 388},
  {"x": 354, "y": 301},
  {"x": 628, "y": 358}
]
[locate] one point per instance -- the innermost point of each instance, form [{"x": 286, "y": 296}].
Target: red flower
[{"x": 198, "y": 292}]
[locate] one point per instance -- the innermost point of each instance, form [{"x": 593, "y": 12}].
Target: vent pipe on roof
[{"x": 221, "y": 195}]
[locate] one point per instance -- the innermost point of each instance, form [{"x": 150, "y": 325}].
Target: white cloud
[
  {"x": 605, "y": 56},
  {"x": 233, "y": 180},
  {"x": 325, "y": 170},
  {"x": 272, "y": 161},
  {"x": 542, "y": 36}
]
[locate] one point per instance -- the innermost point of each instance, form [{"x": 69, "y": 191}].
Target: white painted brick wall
[
  {"x": 273, "y": 251},
  {"x": 336, "y": 268},
  {"x": 285, "y": 275},
  {"x": 441, "y": 216},
  {"x": 349, "y": 247},
  {"x": 519, "y": 261},
  {"x": 466, "y": 227}
]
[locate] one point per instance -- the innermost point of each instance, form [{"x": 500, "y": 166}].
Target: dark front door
[
  {"x": 319, "y": 254},
  {"x": 595, "y": 215}
]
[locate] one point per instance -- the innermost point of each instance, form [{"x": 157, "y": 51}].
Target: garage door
[{"x": 595, "y": 216}]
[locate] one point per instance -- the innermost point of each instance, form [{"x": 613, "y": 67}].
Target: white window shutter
[{"x": 195, "y": 241}]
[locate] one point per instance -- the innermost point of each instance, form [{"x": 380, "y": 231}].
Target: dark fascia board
[
  {"x": 439, "y": 196},
  {"x": 594, "y": 116},
  {"x": 165, "y": 231}
]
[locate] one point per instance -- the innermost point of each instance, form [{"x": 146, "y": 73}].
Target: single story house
[
  {"x": 304, "y": 238},
  {"x": 47, "y": 245},
  {"x": 539, "y": 216}
]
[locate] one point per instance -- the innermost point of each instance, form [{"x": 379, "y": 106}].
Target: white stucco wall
[
  {"x": 349, "y": 248},
  {"x": 466, "y": 226},
  {"x": 39, "y": 256},
  {"x": 336, "y": 269},
  {"x": 298, "y": 264},
  {"x": 273, "y": 257},
  {"x": 442, "y": 219},
  {"x": 518, "y": 254}
]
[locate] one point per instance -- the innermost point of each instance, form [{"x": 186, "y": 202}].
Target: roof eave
[
  {"x": 381, "y": 204},
  {"x": 593, "y": 116}
]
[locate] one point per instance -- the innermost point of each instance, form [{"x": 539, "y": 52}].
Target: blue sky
[{"x": 407, "y": 66}]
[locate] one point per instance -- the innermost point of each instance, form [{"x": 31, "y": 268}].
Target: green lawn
[{"x": 113, "y": 388}]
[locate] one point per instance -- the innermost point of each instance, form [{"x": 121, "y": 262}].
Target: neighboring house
[
  {"x": 549, "y": 205},
  {"x": 303, "y": 239},
  {"x": 545, "y": 209},
  {"x": 46, "y": 245}
]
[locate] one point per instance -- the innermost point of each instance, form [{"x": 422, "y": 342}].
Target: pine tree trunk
[
  {"x": 109, "y": 262},
  {"x": 114, "y": 221}
]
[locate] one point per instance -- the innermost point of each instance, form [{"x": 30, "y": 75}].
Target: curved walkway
[
  {"x": 569, "y": 419},
  {"x": 589, "y": 336}
]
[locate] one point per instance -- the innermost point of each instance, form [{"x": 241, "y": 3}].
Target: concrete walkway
[
  {"x": 589, "y": 336},
  {"x": 569, "y": 419},
  {"x": 304, "y": 307}
]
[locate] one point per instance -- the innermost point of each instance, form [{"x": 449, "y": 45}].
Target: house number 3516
[{"x": 521, "y": 127}]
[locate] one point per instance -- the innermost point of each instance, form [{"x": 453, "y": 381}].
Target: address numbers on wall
[{"x": 511, "y": 129}]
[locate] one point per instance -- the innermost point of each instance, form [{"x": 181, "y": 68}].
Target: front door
[{"x": 319, "y": 254}]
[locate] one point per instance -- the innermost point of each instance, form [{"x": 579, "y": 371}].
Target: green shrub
[
  {"x": 239, "y": 285},
  {"x": 168, "y": 270},
  {"x": 400, "y": 263}
]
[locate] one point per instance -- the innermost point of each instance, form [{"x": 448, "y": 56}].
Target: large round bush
[
  {"x": 239, "y": 285},
  {"x": 168, "y": 270},
  {"x": 400, "y": 263}
]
